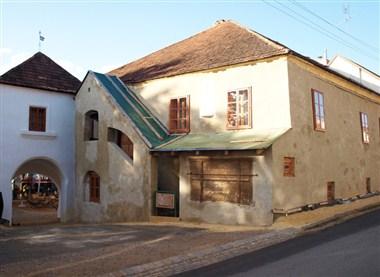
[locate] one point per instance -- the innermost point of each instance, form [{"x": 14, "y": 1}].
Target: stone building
[{"x": 234, "y": 125}]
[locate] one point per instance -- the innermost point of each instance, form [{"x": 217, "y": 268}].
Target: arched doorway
[{"x": 36, "y": 186}]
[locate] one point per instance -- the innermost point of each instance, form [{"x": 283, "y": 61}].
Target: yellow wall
[
  {"x": 208, "y": 89},
  {"x": 338, "y": 154}
]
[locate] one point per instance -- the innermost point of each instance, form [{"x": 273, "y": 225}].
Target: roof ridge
[{"x": 274, "y": 43}]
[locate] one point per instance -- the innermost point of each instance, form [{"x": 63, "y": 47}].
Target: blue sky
[{"x": 101, "y": 35}]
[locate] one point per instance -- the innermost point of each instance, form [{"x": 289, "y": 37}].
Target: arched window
[
  {"x": 121, "y": 140},
  {"x": 91, "y": 126},
  {"x": 93, "y": 186}
]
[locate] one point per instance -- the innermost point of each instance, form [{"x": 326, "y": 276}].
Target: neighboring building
[
  {"x": 356, "y": 72},
  {"x": 233, "y": 123},
  {"x": 37, "y": 127}
]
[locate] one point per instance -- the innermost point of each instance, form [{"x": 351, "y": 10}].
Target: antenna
[{"x": 346, "y": 11}]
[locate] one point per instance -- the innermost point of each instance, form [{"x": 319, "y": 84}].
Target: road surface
[{"x": 348, "y": 249}]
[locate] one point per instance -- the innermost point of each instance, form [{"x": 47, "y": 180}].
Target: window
[
  {"x": 91, "y": 128},
  {"x": 121, "y": 140},
  {"x": 179, "y": 115},
  {"x": 221, "y": 180},
  {"x": 364, "y": 125},
  {"x": 37, "y": 119},
  {"x": 318, "y": 111},
  {"x": 239, "y": 109},
  {"x": 94, "y": 186},
  {"x": 289, "y": 165},
  {"x": 331, "y": 192}
]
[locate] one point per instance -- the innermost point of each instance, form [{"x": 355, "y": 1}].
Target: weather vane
[{"x": 41, "y": 38}]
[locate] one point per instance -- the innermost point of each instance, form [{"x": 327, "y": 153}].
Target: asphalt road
[{"x": 348, "y": 249}]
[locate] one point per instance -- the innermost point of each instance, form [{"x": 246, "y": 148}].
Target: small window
[
  {"x": 91, "y": 128},
  {"x": 368, "y": 185},
  {"x": 331, "y": 192},
  {"x": 239, "y": 109},
  {"x": 318, "y": 111},
  {"x": 179, "y": 115},
  {"x": 364, "y": 126},
  {"x": 121, "y": 140},
  {"x": 94, "y": 187},
  {"x": 37, "y": 119},
  {"x": 289, "y": 166}
]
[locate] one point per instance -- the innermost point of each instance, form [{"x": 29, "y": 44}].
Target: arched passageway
[{"x": 36, "y": 186}]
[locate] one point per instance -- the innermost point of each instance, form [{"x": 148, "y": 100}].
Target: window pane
[
  {"x": 243, "y": 95},
  {"x": 232, "y": 96},
  {"x": 320, "y": 99},
  {"x": 322, "y": 124},
  {"x": 316, "y": 100}
]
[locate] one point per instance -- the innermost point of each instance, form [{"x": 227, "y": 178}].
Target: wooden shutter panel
[
  {"x": 196, "y": 185},
  {"x": 173, "y": 111},
  {"x": 188, "y": 113}
]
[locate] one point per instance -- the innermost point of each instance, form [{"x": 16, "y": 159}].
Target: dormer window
[{"x": 37, "y": 119}]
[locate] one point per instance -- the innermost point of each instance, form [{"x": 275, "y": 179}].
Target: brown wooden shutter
[
  {"x": 188, "y": 113},
  {"x": 173, "y": 111},
  {"x": 196, "y": 180},
  {"x": 246, "y": 191},
  {"x": 127, "y": 145},
  {"x": 289, "y": 166}
]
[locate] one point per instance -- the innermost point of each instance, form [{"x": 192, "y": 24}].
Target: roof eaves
[
  {"x": 310, "y": 60},
  {"x": 223, "y": 65},
  {"x": 73, "y": 92}
]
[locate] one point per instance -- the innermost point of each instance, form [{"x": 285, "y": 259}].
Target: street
[
  {"x": 348, "y": 249},
  {"x": 88, "y": 250}
]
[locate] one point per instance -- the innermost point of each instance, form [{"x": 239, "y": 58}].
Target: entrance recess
[{"x": 36, "y": 187}]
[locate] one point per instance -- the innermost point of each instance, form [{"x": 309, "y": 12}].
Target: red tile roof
[
  {"x": 226, "y": 43},
  {"x": 41, "y": 72}
]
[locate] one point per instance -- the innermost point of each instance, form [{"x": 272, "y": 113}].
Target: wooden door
[{"x": 330, "y": 192}]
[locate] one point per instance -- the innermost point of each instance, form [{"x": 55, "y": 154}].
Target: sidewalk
[{"x": 285, "y": 228}]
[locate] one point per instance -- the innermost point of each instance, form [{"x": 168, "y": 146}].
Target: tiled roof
[
  {"x": 226, "y": 43},
  {"x": 41, "y": 72}
]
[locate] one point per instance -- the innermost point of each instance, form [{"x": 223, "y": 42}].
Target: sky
[{"x": 102, "y": 35}]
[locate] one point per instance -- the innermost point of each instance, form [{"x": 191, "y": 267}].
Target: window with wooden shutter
[
  {"x": 239, "y": 110},
  {"x": 364, "y": 126},
  {"x": 318, "y": 110},
  {"x": 179, "y": 115},
  {"x": 94, "y": 186},
  {"x": 37, "y": 119},
  {"x": 221, "y": 180},
  {"x": 289, "y": 166},
  {"x": 121, "y": 140}
]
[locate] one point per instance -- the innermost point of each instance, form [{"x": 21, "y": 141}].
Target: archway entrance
[{"x": 36, "y": 193}]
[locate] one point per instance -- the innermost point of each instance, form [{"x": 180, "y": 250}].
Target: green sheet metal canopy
[{"x": 229, "y": 140}]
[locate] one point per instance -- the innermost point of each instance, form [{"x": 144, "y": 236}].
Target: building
[
  {"x": 37, "y": 128},
  {"x": 234, "y": 125},
  {"x": 356, "y": 72}
]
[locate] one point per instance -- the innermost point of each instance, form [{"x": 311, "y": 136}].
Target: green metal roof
[
  {"x": 229, "y": 140},
  {"x": 154, "y": 133}
]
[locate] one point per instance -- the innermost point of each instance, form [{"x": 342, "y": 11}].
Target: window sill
[{"x": 28, "y": 133}]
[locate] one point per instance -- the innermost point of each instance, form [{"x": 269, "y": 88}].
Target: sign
[{"x": 165, "y": 200}]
